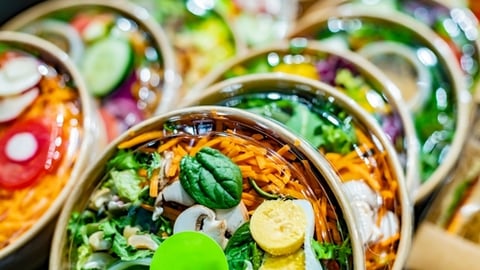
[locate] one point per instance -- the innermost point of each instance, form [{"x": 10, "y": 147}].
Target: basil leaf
[{"x": 211, "y": 179}]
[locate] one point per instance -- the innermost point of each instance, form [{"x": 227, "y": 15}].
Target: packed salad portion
[
  {"x": 426, "y": 84},
  {"x": 368, "y": 178},
  {"x": 121, "y": 60},
  {"x": 227, "y": 177},
  {"x": 457, "y": 26},
  {"x": 271, "y": 19},
  {"x": 201, "y": 36},
  {"x": 335, "y": 70},
  {"x": 41, "y": 129}
]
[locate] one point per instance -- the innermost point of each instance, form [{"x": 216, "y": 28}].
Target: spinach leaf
[
  {"x": 241, "y": 247},
  {"x": 336, "y": 137},
  {"x": 306, "y": 123},
  {"x": 211, "y": 179}
]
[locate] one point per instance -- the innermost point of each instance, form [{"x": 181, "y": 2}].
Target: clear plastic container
[
  {"x": 47, "y": 138},
  {"x": 423, "y": 67},
  {"x": 350, "y": 139},
  {"x": 122, "y": 53},
  {"x": 347, "y": 72},
  {"x": 159, "y": 153},
  {"x": 202, "y": 38}
]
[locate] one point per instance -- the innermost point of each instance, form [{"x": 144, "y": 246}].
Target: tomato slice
[{"x": 17, "y": 174}]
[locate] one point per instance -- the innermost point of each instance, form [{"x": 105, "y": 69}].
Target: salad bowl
[
  {"x": 455, "y": 24},
  {"x": 346, "y": 71},
  {"x": 202, "y": 38},
  {"x": 209, "y": 169},
  {"x": 48, "y": 128},
  {"x": 425, "y": 71},
  {"x": 349, "y": 138},
  {"x": 271, "y": 20},
  {"x": 122, "y": 53}
]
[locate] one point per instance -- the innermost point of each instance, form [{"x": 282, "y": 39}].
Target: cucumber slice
[{"x": 106, "y": 64}]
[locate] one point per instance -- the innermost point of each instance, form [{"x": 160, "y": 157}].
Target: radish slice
[
  {"x": 21, "y": 147},
  {"x": 18, "y": 75},
  {"x": 12, "y": 107}
]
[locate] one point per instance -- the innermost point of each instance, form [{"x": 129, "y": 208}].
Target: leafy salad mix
[
  {"x": 336, "y": 71},
  {"x": 371, "y": 184},
  {"x": 228, "y": 180},
  {"x": 434, "y": 119}
]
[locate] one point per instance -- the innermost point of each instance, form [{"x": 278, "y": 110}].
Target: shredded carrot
[
  {"x": 168, "y": 145},
  {"x": 369, "y": 164},
  {"x": 285, "y": 148},
  {"x": 142, "y": 138},
  {"x": 153, "y": 192}
]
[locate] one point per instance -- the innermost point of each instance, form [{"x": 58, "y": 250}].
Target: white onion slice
[
  {"x": 18, "y": 75},
  {"x": 12, "y": 107}
]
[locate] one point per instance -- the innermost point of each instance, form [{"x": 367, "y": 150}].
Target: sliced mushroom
[
  {"x": 130, "y": 231},
  {"x": 201, "y": 218},
  {"x": 172, "y": 193},
  {"x": 176, "y": 193},
  {"x": 165, "y": 167},
  {"x": 100, "y": 198},
  {"x": 117, "y": 206},
  {"x": 142, "y": 241},
  {"x": 365, "y": 220},
  {"x": 356, "y": 190},
  {"x": 311, "y": 261},
  {"x": 234, "y": 217},
  {"x": 97, "y": 242}
]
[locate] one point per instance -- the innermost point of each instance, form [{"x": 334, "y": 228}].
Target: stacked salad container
[{"x": 225, "y": 134}]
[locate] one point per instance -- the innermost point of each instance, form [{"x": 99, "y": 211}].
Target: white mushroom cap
[
  {"x": 201, "y": 218},
  {"x": 234, "y": 216}
]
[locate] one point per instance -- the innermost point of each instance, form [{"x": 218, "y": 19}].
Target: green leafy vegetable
[
  {"x": 329, "y": 251},
  {"x": 211, "y": 179},
  {"x": 125, "y": 160},
  {"x": 127, "y": 184},
  {"x": 241, "y": 248},
  {"x": 328, "y": 127}
]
